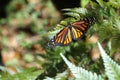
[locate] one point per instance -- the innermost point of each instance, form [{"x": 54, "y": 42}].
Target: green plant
[{"x": 112, "y": 69}]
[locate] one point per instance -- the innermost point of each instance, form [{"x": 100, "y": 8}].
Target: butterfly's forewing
[{"x": 62, "y": 38}]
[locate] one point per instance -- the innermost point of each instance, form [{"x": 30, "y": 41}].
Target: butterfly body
[{"x": 73, "y": 32}]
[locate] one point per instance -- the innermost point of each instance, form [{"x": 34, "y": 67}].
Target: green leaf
[
  {"x": 59, "y": 76},
  {"x": 102, "y": 3},
  {"x": 114, "y": 3},
  {"x": 112, "y": 69},
  {"x": 73, "y": 14},
  {"x": 27, "y": 74},
  {"x": 84, "y": 2},
  {"x": 80, "y": 73},
  {"x": 105, "y": 30},
  {"x": 48, "y": 78},
  {"x": 81, "y": 11},
  {"x": 62, "y": 76}
]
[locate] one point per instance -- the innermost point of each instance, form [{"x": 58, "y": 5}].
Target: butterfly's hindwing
[{"x": 76, "y": 34}]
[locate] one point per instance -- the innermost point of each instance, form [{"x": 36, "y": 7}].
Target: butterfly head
[
  {"x": 90, "y": 20},
  {"x": 51, "y": 43}
]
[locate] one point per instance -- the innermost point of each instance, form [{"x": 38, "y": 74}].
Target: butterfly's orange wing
[
  {"x": 62, "y": 38},
  {"x": 80, "y": 27},
  {"x": 76, "y": 33}
]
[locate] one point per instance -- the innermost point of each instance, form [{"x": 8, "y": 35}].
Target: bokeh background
[{"x": 24, "y": 34}]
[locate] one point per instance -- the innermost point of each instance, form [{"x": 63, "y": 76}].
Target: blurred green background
[{"x": 25, "y": 27}]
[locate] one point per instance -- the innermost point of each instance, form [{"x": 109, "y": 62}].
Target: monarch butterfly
[{"x": 73, "y": 32}]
